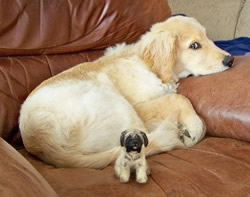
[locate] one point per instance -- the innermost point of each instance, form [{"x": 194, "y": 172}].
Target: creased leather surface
[
  {"x": 52, "y": 27},
  {"x": 223, "y": 100},
  {"x": 19, "y": 177},
  {"x": 20, "y": 75},
  {"x": 215, "y": 167}
]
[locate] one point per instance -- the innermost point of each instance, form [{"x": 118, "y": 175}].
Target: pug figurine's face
[
  {"x": 133, "y": 140},
  {"x": 133, "y": 143}
]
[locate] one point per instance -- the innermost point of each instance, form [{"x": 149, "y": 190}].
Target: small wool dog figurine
[{"x": 132, "y": 157}]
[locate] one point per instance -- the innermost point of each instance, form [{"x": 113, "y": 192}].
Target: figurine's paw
[
  {"x": 117, "y": 173},
  {"x": 148, "y": 172},
  {"x": 142, "y": 179},
  {"x": 124, "y": 179},
  {"x": 117, "y": 169},
  {"x": 141, "y": 175}
]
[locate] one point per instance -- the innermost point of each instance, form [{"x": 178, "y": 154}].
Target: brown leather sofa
[{"x": 39, "y": 39}]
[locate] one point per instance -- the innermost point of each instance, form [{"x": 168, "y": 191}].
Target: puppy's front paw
[{"x": 171, "y": 86}]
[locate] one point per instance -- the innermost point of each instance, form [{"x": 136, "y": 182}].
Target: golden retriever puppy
[{"x": 75, "y": 119}]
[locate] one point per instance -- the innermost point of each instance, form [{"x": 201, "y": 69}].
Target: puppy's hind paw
[{"x": 184, "y": 136}]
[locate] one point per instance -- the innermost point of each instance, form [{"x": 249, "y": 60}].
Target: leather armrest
[
  {"x": 223, "y": 100},
  {"x": 19, "y": 177}
]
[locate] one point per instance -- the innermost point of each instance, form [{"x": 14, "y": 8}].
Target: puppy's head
[
  {"x": 133, "y": 140},
  {"x": 180, "y": 45}
]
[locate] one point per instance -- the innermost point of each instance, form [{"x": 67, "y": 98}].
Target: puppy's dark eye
[{"x": 195, "y": 46}]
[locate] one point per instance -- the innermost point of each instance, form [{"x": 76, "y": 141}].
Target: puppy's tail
[
  {"x": 96, "y": 160},
  {"x": 42, "y": 136},
  {"x": 78, "y": 159}
]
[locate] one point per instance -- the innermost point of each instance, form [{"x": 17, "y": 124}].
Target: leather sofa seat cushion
[
  {"x": 19, "y": 177},
  {"x": 223, "y": 100},
  {"x": 214, "y": 167}
]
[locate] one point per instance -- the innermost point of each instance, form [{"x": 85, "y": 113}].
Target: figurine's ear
[
  {"x": 123, "y": 137},
  {"x": 145, "y": 138}
]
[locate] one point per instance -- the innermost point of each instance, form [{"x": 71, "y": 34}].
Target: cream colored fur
[{"x": 75, "y": 118}]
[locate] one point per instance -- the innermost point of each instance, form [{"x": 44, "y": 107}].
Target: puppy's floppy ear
[
  {"x": 159, "y": 50},
  {"x": 145, "y": 138},
  {"x": 122, "y": 138}
]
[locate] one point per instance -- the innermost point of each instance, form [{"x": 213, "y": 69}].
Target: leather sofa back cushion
[
  {"x": 20, "y": 75},
  {"x": 52, "y": 27},
  {"x": 223, "y": 100}
]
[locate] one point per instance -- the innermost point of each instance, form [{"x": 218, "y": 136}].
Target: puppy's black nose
[{"x": 228, "y": 61}]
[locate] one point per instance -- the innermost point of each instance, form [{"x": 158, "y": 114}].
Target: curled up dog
[
  {"x": 132, "y": 157},
  {"x": 75, "y": 118}
]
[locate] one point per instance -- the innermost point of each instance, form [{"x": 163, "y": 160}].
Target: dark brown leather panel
[
  {"x": 20, "y": 75},
  {"x": 223, "y": 100},
  {"x": 52, "y": 27},
  {"x": 215, "y": 167},
  {"x": 19, "y": 177}
]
